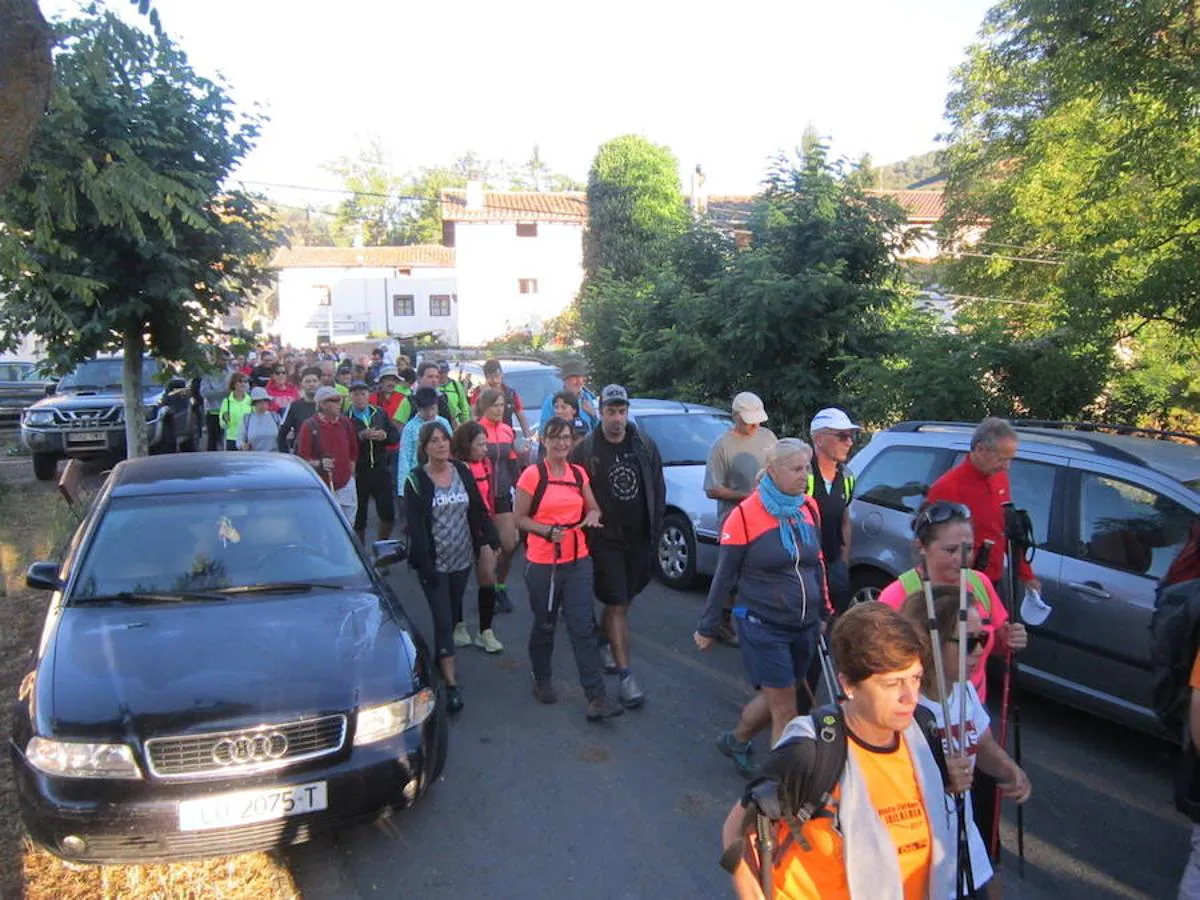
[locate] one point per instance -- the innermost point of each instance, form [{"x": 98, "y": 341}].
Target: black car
[
  {"x": 85, "y": 417},
  {"x": 222, "y": 670}
]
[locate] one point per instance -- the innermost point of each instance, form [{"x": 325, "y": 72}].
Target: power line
[
  {"x": 1028, "y": 259},
  {"x": 1019, "y": 247},
  {"x": 975, "y": 299}
]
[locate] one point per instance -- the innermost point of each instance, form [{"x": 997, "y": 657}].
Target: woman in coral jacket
[{"x": 503, "y": 457}]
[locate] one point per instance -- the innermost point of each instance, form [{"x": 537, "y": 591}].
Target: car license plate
[
  {"x": 85, "y": 437},
  {"x": 245, "y": 807}
]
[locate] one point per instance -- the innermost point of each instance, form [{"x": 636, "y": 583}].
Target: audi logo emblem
[{"x": 249, "y": 748}]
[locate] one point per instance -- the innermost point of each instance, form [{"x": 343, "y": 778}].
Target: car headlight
[
  {"x": 377, "y": 723},
  {"x": 71, "y": 759},
  {"x": 39, "y": 417}
]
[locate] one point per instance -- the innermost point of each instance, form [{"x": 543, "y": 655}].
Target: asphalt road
[{"x": 537, "y": 802}]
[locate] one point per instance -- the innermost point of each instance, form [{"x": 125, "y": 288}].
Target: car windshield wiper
[
  {"x": 282, "y": 587},
  {"x": 156, "y": 597}
]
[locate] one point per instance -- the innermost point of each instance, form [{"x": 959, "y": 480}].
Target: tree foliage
[
  {"x": 1075, "y": 142},
  {"x": 118, "y": 234},
  {"x": 635, "y": 208},
  {"x": 782, "y": 317}
]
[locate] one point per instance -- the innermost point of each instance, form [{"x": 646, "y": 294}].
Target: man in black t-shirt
[{"x": 627, "y": 478}]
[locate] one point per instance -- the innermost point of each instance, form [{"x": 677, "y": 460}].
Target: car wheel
[
  {"x": 45, "y": 466},
  {"x": 867, "y": 585},
  {"x": 675, "y": 552}
]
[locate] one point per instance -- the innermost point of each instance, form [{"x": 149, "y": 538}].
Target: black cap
[{"x": 360, "y": 386}]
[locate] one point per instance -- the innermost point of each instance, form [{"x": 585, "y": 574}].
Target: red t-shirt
[
  {"x": 481, "y": 470},
  {"x": 985, "y": 496},
  {"x": 282, "y": 397},
  {"x": 335, "y": 438},
  {"x": 562, "y": 504}
]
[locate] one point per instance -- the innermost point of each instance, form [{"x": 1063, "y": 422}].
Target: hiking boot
[
  {"x": 726, "y": 635},
  {"x": 454, "y": 699},
  {"x": 462, "y": 637},
  {"x": 738, "y": 751},
  {"x": 608, "y": 660},
  {"x": 543, "y": 690},
  {"x": 603, "y": 707},
  {"x": 487, "y": 642},
  {"x": 631, "y": 693},
  {"x": 504, "y": 603}
]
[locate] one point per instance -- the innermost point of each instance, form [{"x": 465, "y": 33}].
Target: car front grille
[
  {"x": 245, "y": 751},
  {"x": 194, "y": 845},
  {"x": 89, "y": 417}
]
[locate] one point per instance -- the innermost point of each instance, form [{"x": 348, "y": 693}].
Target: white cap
[
  {"x": 327, "y": 393},
  {"x": 749, "y": 408},
  {"x": 833, "y": 419}
]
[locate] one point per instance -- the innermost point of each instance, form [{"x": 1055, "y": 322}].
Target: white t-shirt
[{"x": 977, "y": 722}]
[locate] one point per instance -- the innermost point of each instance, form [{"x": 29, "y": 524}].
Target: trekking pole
[
  {"x": 836, "y": 694},
  {"x": 766, "y": 853},
  {"x": 1008, "y": 702},
  {"x": 966, "y": 875},
  {"x": 553, "y": 570}
]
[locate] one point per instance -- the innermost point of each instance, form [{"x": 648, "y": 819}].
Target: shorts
[
  {"x": 776, "y": 656},
  {"x": 504, "y": 504},
  {"x": 620, "y": 572}
]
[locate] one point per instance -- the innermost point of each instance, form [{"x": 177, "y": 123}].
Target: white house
[
  {"x": 357, "y": 292},
  {"x": 519, "y": 257}
]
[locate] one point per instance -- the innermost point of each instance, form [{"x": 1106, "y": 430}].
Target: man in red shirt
[
  {"x": 980, "y": 482},
  {"x": 329, "y": 443}
]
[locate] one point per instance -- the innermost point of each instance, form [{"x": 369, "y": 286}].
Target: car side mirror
[
  {"x": 43, "y": 576},
  {"x": 384, "y": 553}
]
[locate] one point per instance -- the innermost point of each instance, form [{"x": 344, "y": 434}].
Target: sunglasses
[
  {"x": 939, "y": 513},
  {"x": 975, "y": 641}
]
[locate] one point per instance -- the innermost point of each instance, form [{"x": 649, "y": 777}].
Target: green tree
[
  {"x": 1075, "y": 147},
  {"x": 635, "y": 208},
  {"x": 119, "y": 235}
]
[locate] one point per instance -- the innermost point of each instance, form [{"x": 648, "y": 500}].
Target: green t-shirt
[{"x": 231, "y": 414}]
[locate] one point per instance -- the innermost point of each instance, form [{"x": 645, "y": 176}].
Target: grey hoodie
[{"x": 213, "y": 389}]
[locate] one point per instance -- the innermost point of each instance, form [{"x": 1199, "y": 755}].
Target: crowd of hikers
[{"x": 892, "y": 788}]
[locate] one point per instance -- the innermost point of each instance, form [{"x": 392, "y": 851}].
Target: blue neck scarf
[{"x": 786, "y": 508}]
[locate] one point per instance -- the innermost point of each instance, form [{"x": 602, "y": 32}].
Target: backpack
[
  {"x": 544, "y": 481},
  {"x": 797, "y": 785},
  {"x": 1174, "y": 639},
  {"x": 912, "y": 584}
]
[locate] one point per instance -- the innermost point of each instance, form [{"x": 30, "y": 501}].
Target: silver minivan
[{"x": 1110, "y": 512}]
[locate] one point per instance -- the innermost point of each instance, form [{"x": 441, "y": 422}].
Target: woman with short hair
[
  {"x": 884, "y": 832},
  {"x": 234, "y": 408},
  {"x": 447, "y": 526},
  {"x": 771, "y": 549}
]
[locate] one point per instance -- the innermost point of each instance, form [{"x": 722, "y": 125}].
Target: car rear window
[
  {"x": 898, "y": 478},
  {"x": 195, "y": 542},
  {"x": 1130, "y": 527},
  {"x": 685, "y": 439}
]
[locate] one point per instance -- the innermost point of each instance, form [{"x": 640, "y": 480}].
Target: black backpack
[
  {"x": 1174, "y": 639},
  {"x": 545, "y": 481},
  {"x": 797, "y": 781}
]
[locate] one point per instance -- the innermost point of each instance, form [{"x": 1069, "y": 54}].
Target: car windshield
[
  {"x": 206, "y": 542},
  {"x": 533, "y": 385},
  {"x": 105, "y": 373},
  {"x": 684, "y": 439}
]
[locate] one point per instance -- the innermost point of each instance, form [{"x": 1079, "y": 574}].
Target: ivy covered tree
[{"x": 119, "y": 234}]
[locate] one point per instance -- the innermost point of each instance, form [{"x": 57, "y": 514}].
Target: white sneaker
[
  {"x": 608, "y": 660},
  {"x": 462, "y": 637},
  {"x": 487, "y": 642}
]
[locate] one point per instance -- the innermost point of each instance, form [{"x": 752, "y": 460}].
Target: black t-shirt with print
[{"x": 620, "y": 492}]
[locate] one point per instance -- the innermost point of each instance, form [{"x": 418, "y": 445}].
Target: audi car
[{"x": 222, "y": 669}]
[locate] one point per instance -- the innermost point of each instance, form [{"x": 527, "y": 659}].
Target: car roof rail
[
  {"x": 1105, "y": 428},
  {"x": 1091, "y": 438}
]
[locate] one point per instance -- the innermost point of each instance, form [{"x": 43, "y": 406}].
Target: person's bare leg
[
  {"x": 781, "y": 702},
  {"x": 756, "y": 715},
  {"x": 616, "y": 626},
  {"x": 506, "y": 524}
]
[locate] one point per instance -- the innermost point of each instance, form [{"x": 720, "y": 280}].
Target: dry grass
[{"x": 34, "y": 522}]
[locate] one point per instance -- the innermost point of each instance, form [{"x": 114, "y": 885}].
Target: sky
[{"x": 724, "y": 86}]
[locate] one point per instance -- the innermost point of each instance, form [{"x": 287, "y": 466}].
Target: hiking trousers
[{"x": 573, "y": 598}]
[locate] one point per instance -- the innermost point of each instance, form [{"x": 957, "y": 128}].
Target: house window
[
  {"x": 447, "y": 234},
  {"x": 527, "y": 229},
  {"x": 527, "y": 285},
  {"x": 439, "y": 304},
  {"x": 403, "y": 305}
]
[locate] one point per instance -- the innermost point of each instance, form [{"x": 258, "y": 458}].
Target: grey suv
[
  {"x": 1110, "y": 512},
  {"x": 85, "y": 416}
]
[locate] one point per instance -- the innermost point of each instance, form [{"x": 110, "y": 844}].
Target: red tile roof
[
  {"x": 516, "y": 206},
  {"x": 431, "y": 255},
  {"x": 919, "y": 206}
]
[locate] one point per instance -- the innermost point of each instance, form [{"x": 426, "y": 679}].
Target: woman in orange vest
[
  {"x": 503, "y": 457},
  {"x": 470, "y": 446}
]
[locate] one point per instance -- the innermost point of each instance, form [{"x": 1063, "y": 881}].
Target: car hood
[
  {"x": 119, "y": 671},
  {"x": 71, "y": 399},
  {"x": 685, "y": 491}
]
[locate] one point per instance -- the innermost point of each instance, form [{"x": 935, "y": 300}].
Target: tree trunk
[
  {"x": 26, "y": 74},
  {"x": 135, "y": 411}
]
